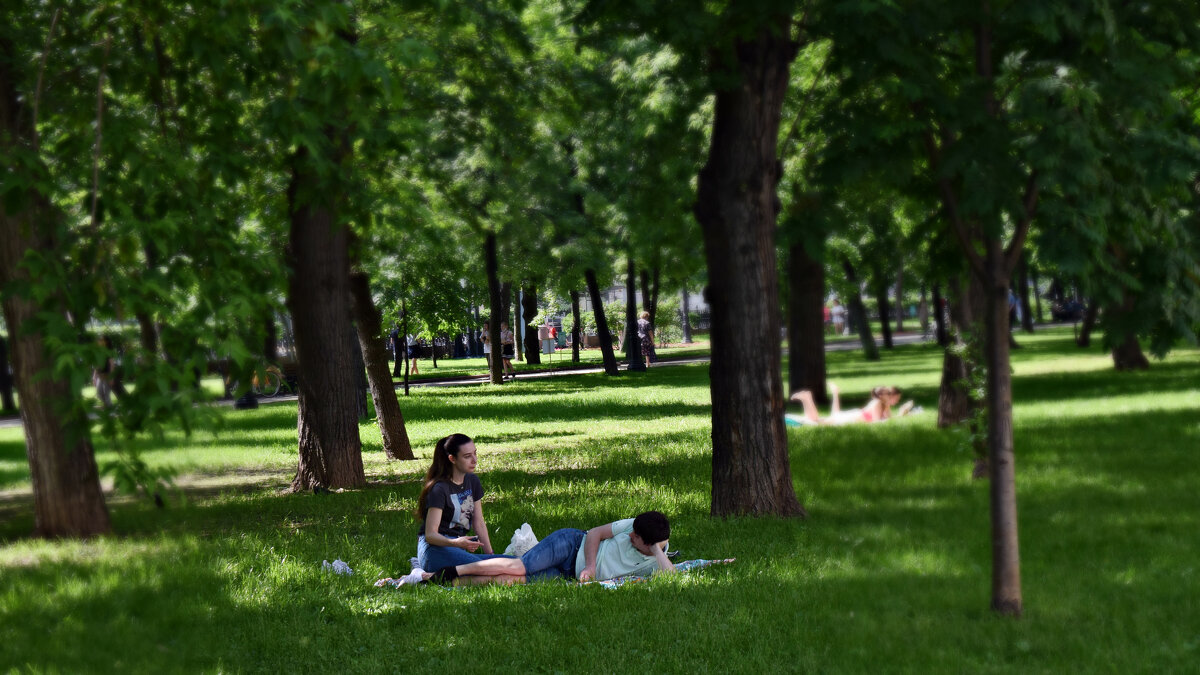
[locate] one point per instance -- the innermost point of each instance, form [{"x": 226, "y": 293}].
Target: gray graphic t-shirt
[{"x": 457, "y": 503}]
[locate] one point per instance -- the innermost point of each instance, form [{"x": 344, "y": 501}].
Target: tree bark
[
  {"x": 654, "y": 285},
  {"x": 516, "y": 324},
  {"x": 899, "y": 300},
  {"x": 318, "y": 295},
  {"x": 858, "y": 314},
  {"x": 387, "y": 407},
  {"x": 939, "y": 316},
  {"x": 533, "y": 346},
  {"x": 885, "y": 313},
  {"x": 955, "y": 406},
  {"x": 1129, "y": 356},
  {"x": 67, "y": 499},
  {"x": 606, "y": 350},
  {"x": 1084, "y": 339},
  {"x": 923, "y": 310},
  {"x": 1023, "y": 297},
  {"x": 686, "y": 320},
  {"x": 7, "y": 403},
  {"x": 806, "y": 324},
  {"x": 737, "y": 207},
  {"x": 633, "y": 345},
  {"x": 1006, "y": 564},
  {"x": 1037, "y": 296},
  {"x": 360, "y": 377},
  {"x": 644, "y": 279},
  {"x": 576, "y": 329}
]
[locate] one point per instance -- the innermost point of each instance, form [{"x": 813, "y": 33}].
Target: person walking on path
[
  {"x": 414, "y": 351},
  {"x": 837, "y": 314},
  {"x": 507, "y": 350},
  {"x": 646, "y": 336}
]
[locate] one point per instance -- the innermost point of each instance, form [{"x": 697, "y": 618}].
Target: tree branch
[
  {"x": 37, "y": 92},
  {"x": 1029, "y": 203},
  {"x": 99, "y": 133},
  {"x": 950, "y": 203}
]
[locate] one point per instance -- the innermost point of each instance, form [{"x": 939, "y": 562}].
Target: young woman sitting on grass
[
  {"x": 450, "y": 506},
  {"x": 878, "y": 410}
]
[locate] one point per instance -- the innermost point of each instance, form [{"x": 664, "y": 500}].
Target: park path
[{"x": 903, "y": 339}]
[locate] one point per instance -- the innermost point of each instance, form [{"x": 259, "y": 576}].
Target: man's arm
[
  {"x": 665, "y": 566},
  {"x": 591, "y": 546}
]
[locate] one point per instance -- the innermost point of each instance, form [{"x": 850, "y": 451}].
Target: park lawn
[{"x": 889, "y": 573}]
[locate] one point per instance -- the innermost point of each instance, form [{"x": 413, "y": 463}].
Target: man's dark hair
[{"x": 652, "y": 527}]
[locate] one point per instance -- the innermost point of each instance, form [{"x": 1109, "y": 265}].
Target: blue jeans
[
  {"x": 554, "y": 556},
  {"x": 432, "y": 558}
]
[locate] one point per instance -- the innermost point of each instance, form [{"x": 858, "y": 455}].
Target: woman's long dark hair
[{"x": 441, "y": 468}]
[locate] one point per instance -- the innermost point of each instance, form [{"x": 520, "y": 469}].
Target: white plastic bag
[
  {"x": 337, "y": 566},
  {"x": 522, "y": 541}
]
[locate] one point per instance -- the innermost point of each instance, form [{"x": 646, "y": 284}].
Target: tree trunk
[
  {"x": 404, "y": 332},
  {"x": 387, "y": 407},
  {"x": 576, "y": 329},
  {"x": 318, "y": 294},
  {"x": 923, "y": 311},
  {"x": 955, "y": 406},
  {"x": 1006, "y": 566},
  {"x": 533, "y": 346},
  {"x": 885, "y": 324},
  {"x": 644, "y": 278},
  {"x": 654, "y": 279},
  {"x": 270, "y": 340},
  {"x": 939, "y": 316},
  {"x": 606, "y": 350},
  {"x": 1084, "y": 338},
  {"x": 496, "y": 308},
  {"x": 67, "y": 500},
  {"x": 1128, "y": 355},
  {"x": 7, "y": 403},
  {"x": 806, "y": 324},
  {"x": 516, "y": 324},
  {"x": 899, "y": 301},
  {"x": 1023, "y": 298},
  {"x": 360, "y": 377},
  {"x": 737, "y": 207},
  {"x": 637, "y": 362},
  {"x": 686, "y": 320},
  {"x": 858, "y": 314},
  {"x": 1037, "y": 296}
]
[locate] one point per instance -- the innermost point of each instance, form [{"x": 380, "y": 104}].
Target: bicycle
[{"x": 266, "y": 382}]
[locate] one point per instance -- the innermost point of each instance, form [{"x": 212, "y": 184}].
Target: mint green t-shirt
[{"x": 617, "y": 557}]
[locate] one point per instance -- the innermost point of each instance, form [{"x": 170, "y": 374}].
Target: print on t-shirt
[{"x": 464, "y": 507}]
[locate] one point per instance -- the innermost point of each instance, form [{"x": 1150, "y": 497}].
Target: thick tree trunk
[
  {"x": 533, "y": 346},
  {"x": 318, "y": 294},
  {"x": 686, "y": 320},
  {"x": 806, "y": 324},
  {"x": 899, "y": 300},
  {"x": 737, "y": 207},
  {"x": 576, "y": 329},
  {"x": 67, "y": 500},
  {"x": 633, "y": 346},
  {"x": 923, "y": 310},
  {"x": 1129, "y": 356},
  {"x": 1023, "y": 297},
  {"x": 967, "y": 303},
  {"x": 644, "y": 278},
  {"x": 496, "y": 307},
  {"x": 606, "y": 350},
  {"x": 885, "y": 314},
  {"x": 383, "y": 393},
  {"x": 858, "y": 314},
  {"x": 1084, "y": 338},
  {"x": 939, "y": 316},
  {"x": 1006, "y": 567}
]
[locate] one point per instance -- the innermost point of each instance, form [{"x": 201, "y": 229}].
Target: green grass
[{"x": 890, "y": 574}]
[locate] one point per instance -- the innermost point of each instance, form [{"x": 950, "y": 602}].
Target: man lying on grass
[{"x": 631, "y": 546}]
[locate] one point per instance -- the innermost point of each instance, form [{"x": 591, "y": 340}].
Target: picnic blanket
[{"x": 685, "y": 566}]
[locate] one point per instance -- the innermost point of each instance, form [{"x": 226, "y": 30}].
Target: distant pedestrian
[
  {"x": 838, "y": 315},
  {"x": 486, "y": 339},
  {"x": 102, "y": 376},
  {"x": 827, "y": 317},
  {"x": 546, "y": 337},
  {"x": 414, "y": 351},
  {"x": 646, "y": 337},
  {"x": 507, "y": 349}
]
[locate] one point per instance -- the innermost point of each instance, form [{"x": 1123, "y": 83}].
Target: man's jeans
[{"x": 554, "y": 556}]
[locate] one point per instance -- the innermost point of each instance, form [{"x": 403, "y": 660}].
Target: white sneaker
[{"x": 414, "y": 577}]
